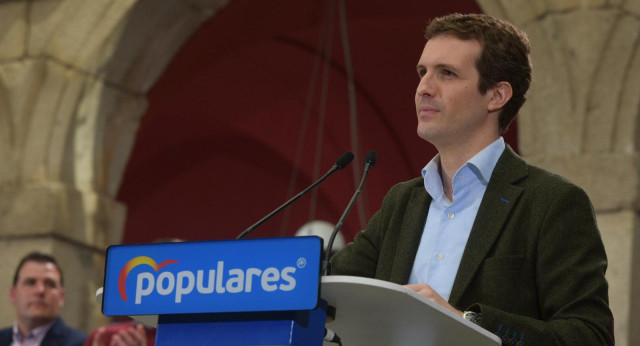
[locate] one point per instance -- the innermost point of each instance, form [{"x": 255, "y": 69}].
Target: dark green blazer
[{"x": 533, "y": 266}]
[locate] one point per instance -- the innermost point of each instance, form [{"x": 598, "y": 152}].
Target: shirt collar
[
  {"x": 36, "y": 333},
  {"x": 481, "y": 164},
  {"x": 432, "y": 180}
]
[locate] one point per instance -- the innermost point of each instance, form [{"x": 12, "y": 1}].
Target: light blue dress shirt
[
  {"x": 34, "y": 338},
  {"x": 449, "y": 223}
]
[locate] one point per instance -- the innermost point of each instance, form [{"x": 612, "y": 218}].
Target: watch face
[{"x": 471, "y": 316}]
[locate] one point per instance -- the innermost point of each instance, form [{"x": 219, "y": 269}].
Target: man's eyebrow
[
  {"x": 52, "y": 282},
  {"x": 438, "y": 66},
  {"x": 447, "y": 67}
]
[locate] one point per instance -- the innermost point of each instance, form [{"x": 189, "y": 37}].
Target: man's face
[
  {"x": 38, "y": 294},
  {"x": 449, "y": 106}
]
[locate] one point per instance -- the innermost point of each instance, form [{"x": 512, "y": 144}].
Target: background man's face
[{"x": 38, "y": 294}]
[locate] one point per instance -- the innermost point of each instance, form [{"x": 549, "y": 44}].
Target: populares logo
[
  {"x": 208, "y": 280},
  {"x": 122, "y": 280}
]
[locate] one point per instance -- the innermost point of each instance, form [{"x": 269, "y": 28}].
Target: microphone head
[
  {"x": 344, "y": 160},
  {"x": 371, "y": 158}
]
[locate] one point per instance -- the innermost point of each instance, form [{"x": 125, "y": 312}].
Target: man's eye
[
  {"x": 448, "y": 73},
  {"x": 422, "y": 72}
]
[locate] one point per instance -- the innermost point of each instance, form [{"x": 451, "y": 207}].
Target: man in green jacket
[{"x": 506, "y": 245}]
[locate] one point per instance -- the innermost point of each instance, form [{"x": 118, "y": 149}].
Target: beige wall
[
  {"x": 581, "y": 120},
  {"x": 73, "y": 80}
]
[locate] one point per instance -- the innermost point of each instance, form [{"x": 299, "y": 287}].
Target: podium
[
  {"x": 248, "y": 292},
  {"x": 374, "y": 312},
  {"x": 268, "y": 292}
]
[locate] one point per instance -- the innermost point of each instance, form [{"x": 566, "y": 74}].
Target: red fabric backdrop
[{"x": 216, "y": 150}]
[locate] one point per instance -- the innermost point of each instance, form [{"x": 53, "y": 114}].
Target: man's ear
[
  {"x": 500, "y": 94},
  {"x": 62, "y": 297},
  {"x": 12, "y": 295}
]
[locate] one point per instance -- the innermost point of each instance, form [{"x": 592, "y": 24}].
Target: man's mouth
[
  {"x": 38, "y": 304},
  {"x": 427, "y": 110}
]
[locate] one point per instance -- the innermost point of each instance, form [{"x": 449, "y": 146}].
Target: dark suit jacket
[
  {"x": 533, "y": 266},
  {"x": 58, "y": 335}
]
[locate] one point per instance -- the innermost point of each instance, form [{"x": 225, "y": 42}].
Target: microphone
[
  {"x": 369, "y": 161},
  {"x": 343, "y": 161},
  {"x": 331, "y": 336}
]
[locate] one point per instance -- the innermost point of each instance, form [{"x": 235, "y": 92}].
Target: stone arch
[{"x": 73, "y": 80}]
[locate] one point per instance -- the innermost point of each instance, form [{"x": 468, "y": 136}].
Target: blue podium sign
[{"x": 274, "y": 274}]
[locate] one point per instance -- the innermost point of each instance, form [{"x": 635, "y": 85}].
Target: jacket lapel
[
  {"x": 409, "y": 239},
  {"x": 6, "y": 336},
  {"x": 51, "y": 338},
  {"x": 499, "y": 199}
]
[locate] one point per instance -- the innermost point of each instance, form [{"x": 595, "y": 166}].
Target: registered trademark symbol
[{"x": 302, "y": 262}]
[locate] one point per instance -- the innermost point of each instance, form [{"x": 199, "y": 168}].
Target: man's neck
[
  {"x": 26, "y": 327},
  {"x": 453, "y": 157}
]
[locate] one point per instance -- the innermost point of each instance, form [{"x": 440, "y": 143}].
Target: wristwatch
[{"x": 474, "y": 317}]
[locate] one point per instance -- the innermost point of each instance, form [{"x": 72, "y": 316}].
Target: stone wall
[
  {"x": 73, "y": 80},
  {"x": 581, "y": 120}
]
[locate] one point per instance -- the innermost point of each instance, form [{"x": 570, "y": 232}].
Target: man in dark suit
[
  {"x": 506, "y": 245},
  {"x": 37, "y": 293}
]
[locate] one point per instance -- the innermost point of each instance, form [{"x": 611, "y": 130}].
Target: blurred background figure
[
  {"x": 128, "y": 333},
  {"x": 37, "y": 294}
]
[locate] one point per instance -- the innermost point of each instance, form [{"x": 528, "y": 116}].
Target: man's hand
[
  {"x": 428, "y": 292},
  {"x": 134, "y": 336}
]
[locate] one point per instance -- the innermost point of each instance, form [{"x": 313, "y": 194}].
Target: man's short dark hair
[
  {"x": 38, "y": 258},
  {"x": 504, "y": 57}
]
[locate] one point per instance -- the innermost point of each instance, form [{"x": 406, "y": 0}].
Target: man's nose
[
  {"x": 425, "y": 86},
  {"x": 40, "y": 287}
]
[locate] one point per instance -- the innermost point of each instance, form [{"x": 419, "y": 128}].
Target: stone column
[
  {"x": 73, "y": 80},
  {"x": 581, "y": 120}
]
